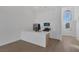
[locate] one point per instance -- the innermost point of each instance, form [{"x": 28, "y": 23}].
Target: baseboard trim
[{"x": 8, "y": 42}]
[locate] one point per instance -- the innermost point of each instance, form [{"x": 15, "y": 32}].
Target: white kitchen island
[{"x": 38, "y": 38}]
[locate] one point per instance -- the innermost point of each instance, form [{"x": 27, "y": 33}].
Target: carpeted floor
[{"x": 66, "y": 45}]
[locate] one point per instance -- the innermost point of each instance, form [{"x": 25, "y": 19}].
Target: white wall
[
  {"x": 52, "y": 15},
  {"x": 77, "y": 21},
  {"x": 13, "y": 20}
]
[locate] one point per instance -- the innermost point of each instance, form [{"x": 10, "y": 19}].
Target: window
[
  {"x": 67, "y": 15},
  {"x": 67, "y": 25},
  {"x": 67, "y": 18}
]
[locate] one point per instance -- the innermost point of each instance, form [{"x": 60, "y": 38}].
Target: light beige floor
[{"x": 68, "y": 44}]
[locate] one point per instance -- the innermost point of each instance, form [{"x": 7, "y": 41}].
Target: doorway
[{"x": 67, "y": 20}]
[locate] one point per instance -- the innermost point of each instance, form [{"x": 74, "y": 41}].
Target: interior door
[{"x": 67, "y": 18}]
